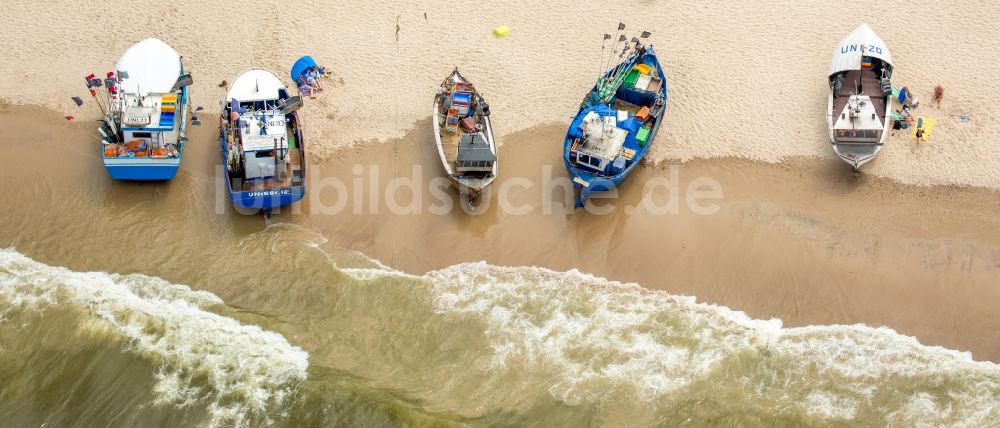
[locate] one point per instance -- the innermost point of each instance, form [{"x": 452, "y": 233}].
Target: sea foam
[
  {"x": 247, "y": 369},
  {"x": 593, "y": 340}
]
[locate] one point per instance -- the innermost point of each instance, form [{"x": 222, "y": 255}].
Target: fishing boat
[
  {"x": 145, "y": 112},
  {"x": 860, "y": 102},
  {"x": 617, "y": 121},
  {"x": 260, "y": 137},
  {"x": 464, "y": 136}
]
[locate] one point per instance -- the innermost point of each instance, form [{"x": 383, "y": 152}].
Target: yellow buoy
[{"x": 501, "y": 31}]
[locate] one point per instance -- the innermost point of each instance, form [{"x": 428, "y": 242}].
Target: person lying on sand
[
  {"x": 938, "y": 95},
  {"x": 897, "y": 121},
  {"x": 312, "y": 78},
  {"x": 907, "y": 116}
]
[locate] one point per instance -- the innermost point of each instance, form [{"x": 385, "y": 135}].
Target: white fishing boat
[
  {"x": 146, "y": 99},
  {"x": 464, "y": 135},
  {"x": 860, "y": 102}
]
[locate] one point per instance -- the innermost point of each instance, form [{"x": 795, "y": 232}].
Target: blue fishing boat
[
  {"x": 263, "y": 153},
  {"x": 145, "y": 107},
  {"x": 617, "y": 121}
]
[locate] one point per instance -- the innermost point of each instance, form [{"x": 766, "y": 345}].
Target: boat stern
[
  {"x": 268, "y": 198},
  {"x": 142, "y": 169},
  {"x": 856, "y": 154}
]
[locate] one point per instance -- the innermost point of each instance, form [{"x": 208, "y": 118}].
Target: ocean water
[{"x": 468, "y": 345}]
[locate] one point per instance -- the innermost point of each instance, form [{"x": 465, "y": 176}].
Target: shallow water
[{"x": 167, "y": 313}]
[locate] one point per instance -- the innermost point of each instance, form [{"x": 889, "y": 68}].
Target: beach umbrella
[
  {"x": 78, "y": 101},
  {"x": 501, "y": 31}
]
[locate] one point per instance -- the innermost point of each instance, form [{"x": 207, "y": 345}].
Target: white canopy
[
  {"x": 152, "y": 66},
  {"x": 255, "y": 84},
  {"x": 861, "y": 42}
]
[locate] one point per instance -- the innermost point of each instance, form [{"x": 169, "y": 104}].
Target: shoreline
[{"x": 801, "y": 241}]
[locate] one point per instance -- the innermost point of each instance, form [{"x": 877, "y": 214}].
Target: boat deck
[
  {"x": 449, "y": 143},
  {"x": 869, "y": 85},
  {"x": 291, "y": 176}
]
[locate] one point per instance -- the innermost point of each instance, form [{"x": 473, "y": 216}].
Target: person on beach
[
  {"x": 897, "y": 121},
  {"x": 911, "y": 99},
  {"x": 312, "y": 77},
  {"x": 907, "y": 116},
  {"x": 919, "y": 134},
  {"x": 938, "y": 95}
]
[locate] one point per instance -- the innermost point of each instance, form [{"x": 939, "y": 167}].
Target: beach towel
[{"x": 927, "y": 123}]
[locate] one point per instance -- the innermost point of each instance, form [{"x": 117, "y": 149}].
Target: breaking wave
[
  {"x": 507, "y": 346},
  {"x": 596, "y": 341},
  {"x": 236, "y": 372}
]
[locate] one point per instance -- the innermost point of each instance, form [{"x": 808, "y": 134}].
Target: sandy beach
[
  {"x": 797, "y": 295},
  {"x": 746, "y": 80}
]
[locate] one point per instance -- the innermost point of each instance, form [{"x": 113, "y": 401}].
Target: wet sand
[{"x": 802, "y": 241}]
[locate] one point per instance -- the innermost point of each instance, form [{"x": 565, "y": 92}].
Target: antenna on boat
[
  {"x": 618, "y": 36},
  {"x": 604, "y": 42}
]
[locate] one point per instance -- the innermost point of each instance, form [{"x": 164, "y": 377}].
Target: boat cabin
[
  {"x": 474, "y": 155},
  {"x": 148, "y": 124},
  {"x": 602, "y": 143},
  {"x": 263, "y": 136}
]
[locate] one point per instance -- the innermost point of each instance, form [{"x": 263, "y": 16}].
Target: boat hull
[
  {"x": 142, "y": 169},
  {"x": 857, "y": 154},
  {"x": 587, "y": 182},
  {"x": 267, "y": 199}
]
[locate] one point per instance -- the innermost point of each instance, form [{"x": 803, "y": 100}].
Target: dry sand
[{"x": 747, "y": 79}]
